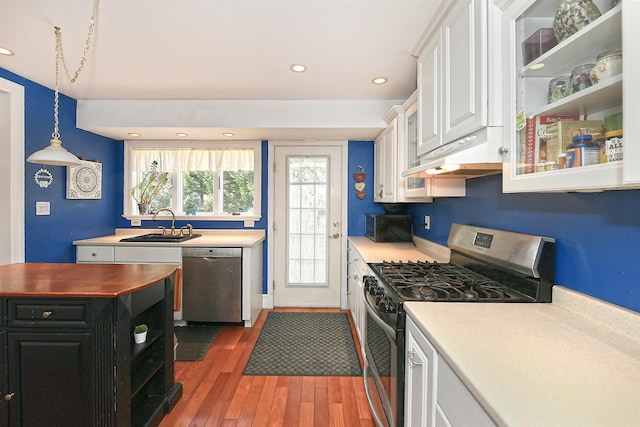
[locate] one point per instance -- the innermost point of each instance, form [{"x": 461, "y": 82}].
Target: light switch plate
[
  {"x": 136, "y": 222},
  {"x": 43, "y": 208},
  {"x": 249, "y": 223}
]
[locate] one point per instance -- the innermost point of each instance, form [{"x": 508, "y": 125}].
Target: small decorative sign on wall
[
  {"x": 84, "y": 181},
  {"x": 360, "y": 185}
]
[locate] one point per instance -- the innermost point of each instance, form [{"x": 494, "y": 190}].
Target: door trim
[
  {"x": 268, "y": 297},
  {"x": 16, "y": 146}
]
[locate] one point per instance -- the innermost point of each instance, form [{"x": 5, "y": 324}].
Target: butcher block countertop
[
  {"x": 78, "y": 280},
  {"x": 209, "y": 238},
  {"x": 573, "y": 362}
]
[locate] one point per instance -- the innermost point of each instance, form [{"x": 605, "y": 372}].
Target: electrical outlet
[{"x": 427, "y": 222}]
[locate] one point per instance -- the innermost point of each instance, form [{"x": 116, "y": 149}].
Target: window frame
[{"x": 129, "y": 208}]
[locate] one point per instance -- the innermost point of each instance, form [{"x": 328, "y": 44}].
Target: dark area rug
[
  {"x": 195, "y": 340},
  {"x": 305, "y": 344}
]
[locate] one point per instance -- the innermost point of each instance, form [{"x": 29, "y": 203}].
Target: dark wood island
[{"x": 67, "y": 353}]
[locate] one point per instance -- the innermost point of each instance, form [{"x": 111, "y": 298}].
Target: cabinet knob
[
  {"x": 8, "y": 396},
  {"x": 46, "y": 314},
  {"x": 503, "y": 150},
  {"x": 94, "y": 254}
]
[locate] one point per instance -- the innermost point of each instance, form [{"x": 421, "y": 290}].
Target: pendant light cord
[{"x": 60, "y": 58}]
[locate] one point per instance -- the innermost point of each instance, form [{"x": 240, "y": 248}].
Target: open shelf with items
[{"x": 527, "y": 97}]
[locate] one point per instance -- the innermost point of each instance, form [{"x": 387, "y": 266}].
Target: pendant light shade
[{"x": 54, "y": 155}]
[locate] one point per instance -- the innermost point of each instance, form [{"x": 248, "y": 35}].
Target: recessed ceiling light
[
  {"x": 5, "y": 51},
  {"x": 298, "y": 68},
  {"x": 182, "y": 134},
  {"x": 379, "y": 80},
  {"x": 227, "y": 134},
  {"x": 136, "y": 134}
]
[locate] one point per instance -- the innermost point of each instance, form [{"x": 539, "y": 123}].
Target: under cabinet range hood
[{"x": 478, "y": 154}]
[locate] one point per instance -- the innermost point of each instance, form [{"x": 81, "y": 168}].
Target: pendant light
[{"x": 55, "y": 154}]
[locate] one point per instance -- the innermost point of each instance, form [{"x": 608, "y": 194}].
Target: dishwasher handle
[{"x": 212, "y": 252}]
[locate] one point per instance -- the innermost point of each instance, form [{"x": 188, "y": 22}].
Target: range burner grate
[{"x": 431, "y": 281}]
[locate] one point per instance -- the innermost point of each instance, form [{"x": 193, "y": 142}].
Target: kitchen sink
[{"x": 158, "y": 237}]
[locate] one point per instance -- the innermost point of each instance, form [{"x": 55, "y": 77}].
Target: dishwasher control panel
[{"x": 212, "y": 252}]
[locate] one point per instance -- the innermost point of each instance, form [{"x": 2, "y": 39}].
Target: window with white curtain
[{"x": 206, "y": 179}]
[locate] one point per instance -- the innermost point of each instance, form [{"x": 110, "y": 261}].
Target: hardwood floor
[{"x": 215, "y": 393}]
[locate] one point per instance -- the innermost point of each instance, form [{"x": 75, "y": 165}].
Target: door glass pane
[{"x": 307, "y": 229}]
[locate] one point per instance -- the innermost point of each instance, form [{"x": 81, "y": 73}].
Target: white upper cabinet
[
  {"x": 535, "y": 153},
  {"x": 396, "y": 149},
  {"x": 386, "y": 155},
  {"x": 429, "y": 96},
  {"x": 459, "y": 74},
  {"x": 464, "y": 61}
]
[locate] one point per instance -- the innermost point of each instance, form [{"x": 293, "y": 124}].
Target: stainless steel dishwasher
[{"x": 212, "y": 284}]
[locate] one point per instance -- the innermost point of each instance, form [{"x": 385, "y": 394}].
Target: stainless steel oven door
[{"x": 381, "y": 370}]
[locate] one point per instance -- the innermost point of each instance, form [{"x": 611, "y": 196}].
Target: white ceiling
[{"x": 221, "y": 50}]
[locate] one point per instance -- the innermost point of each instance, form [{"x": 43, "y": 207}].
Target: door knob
[{"x": 334, "y": 235}]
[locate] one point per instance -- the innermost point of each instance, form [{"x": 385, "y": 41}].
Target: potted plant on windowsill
[
  {"x": 149, "y": 187},
  {"x": 140, "y": 333}
]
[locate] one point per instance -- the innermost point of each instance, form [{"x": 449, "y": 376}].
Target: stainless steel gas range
[{"x": 486, "y": 265}]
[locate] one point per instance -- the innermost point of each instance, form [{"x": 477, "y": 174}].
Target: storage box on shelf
[{"x": 527, "y": 91}]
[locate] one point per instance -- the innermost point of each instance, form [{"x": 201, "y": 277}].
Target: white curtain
[{"x": 192, "y": 159}]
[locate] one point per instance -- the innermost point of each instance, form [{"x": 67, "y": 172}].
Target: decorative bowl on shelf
[
  {"x": 580, "y": 78},
  {"x": 572, "y": 16},
  {"x": 607, "y": 65}
]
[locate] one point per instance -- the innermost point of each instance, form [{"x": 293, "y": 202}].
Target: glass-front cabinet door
[{"x": 564, "y": 96}]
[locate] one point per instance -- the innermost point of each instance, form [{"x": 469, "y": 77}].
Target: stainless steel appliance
[
  {"x": 486, "y": 265},
  {"x": 212, "y": 284},
  {"x": 389, "y": 227}
]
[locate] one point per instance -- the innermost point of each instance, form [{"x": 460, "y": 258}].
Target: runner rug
[
  {"x": 195, "y": 340},
  {"x": 305, "y": 344}
]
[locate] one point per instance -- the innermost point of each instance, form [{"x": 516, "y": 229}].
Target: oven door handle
[
  {"x": 366, "y": 377},
  {"x": 388, "y": 330}
]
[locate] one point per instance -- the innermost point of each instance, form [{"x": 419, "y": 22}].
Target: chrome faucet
[{"x": 173, "y": 219}]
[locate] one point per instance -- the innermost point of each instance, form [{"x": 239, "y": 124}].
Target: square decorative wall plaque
[{"x": 84, "y": 181}]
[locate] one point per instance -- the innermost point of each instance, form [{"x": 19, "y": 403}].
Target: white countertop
[
  {"x": 421, "y": 250},
  {"x": 542, "y": 364},
  {"x": 210, "y": 238}
]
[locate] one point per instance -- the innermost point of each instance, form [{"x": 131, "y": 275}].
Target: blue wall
[
  {"x": 597, "y": 234},
  {"x": 48, "y": 238},
  {"x": 360, "y": 154}
]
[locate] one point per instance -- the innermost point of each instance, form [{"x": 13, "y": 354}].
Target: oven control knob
[
  {"x": 390, "y": 307},
  {"x": 385, "y": 304}
]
